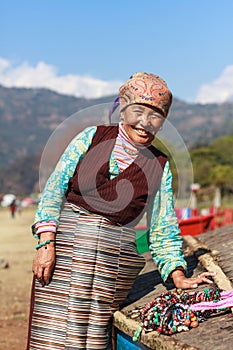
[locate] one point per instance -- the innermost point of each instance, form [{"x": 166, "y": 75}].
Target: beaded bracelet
[{"x": 39, "y": 245}]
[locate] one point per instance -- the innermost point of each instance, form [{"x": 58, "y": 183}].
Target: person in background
[
  {"x": 13, "y": 208},
  {"x": 86, "y": 260}
]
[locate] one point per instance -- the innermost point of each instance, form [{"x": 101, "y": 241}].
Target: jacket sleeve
[
  {"x": 49, "y": 207},
  {"x": 165, "y": 241}
]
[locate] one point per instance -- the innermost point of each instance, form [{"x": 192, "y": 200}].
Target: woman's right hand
[{"x": 44, "y": 261}]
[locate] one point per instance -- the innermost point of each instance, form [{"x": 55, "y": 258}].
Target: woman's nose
[{"x": 145, "y": 120}]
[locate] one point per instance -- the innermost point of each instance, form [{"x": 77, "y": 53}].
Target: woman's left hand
[{"x": 183, "y": 282}]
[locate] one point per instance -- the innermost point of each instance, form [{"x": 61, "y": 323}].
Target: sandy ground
[{"x": 16, "y": 250}]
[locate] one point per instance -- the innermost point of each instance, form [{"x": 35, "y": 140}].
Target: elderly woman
[{"x": 86, "y": 260}]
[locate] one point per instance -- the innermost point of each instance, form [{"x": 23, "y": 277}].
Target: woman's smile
[{"x": 141, "y": 122}]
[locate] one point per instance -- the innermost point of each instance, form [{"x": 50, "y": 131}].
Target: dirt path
[{"x": 17, "y": 250}]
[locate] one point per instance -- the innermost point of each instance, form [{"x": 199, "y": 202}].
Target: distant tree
[
  {"x": 223, "y": 149},
  {"x": 213, "y": 164},
  {"x": 222, "y": 176},
  {"x": 203, "y": 160}
]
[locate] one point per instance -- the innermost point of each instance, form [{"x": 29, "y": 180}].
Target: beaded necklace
[{"x": 179, "y": 311}]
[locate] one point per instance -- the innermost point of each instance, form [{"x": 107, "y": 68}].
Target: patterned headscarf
[{"x": 148, "y": 89}]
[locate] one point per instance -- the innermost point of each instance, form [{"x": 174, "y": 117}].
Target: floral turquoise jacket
[{"x": 164, "y": 233}]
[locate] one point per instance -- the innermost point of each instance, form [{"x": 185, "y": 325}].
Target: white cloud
[
  {"x": 220, "y": 90},
  {"x": 46, "y": 76}
]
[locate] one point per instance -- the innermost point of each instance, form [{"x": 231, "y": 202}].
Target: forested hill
[{"x": 29, "y": 116}]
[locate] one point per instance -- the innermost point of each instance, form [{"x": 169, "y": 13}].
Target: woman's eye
[
  {"x": 154, "y": 116},
  {"x": 137, "y": 111}
]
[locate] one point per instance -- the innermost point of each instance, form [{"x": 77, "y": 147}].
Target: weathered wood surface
[
  {"x": 210, "y": 262},
  {"x": 217, "y": 332}
]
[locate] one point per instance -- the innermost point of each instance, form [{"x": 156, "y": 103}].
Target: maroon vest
[{"x": 124, "y": 199}]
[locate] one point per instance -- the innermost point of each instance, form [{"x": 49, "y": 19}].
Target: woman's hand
[
  {"x": 44, "y": 260},
  {"x": 182, "y": 282}
]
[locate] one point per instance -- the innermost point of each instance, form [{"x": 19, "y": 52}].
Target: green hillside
[{"x": 28, "y": 117}]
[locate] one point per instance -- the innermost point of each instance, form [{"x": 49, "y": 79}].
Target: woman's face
[{"x": 141, "y": 122}]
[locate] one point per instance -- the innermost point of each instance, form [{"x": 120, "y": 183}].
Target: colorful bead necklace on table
[{"x": 179, "y": 311}]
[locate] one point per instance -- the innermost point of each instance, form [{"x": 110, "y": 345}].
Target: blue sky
[{"x": 87, "y": 48}]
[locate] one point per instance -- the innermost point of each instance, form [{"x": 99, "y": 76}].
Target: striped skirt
[{"x": 96, "y": 266}]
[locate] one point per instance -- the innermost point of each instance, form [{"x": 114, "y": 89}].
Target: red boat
[{"x": 195, "y": 225}]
